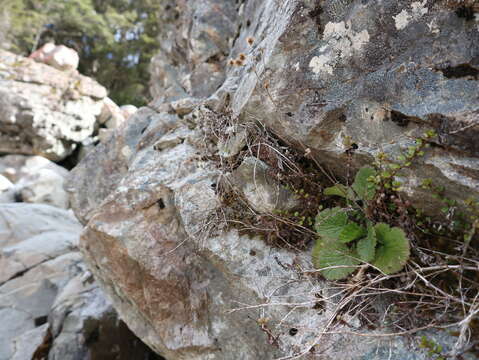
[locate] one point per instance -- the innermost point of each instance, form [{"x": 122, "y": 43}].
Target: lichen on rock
[{"x": 313, "y": 78}]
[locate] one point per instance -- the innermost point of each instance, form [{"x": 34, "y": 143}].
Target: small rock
[
  {"x": 171, "y": 139},
  {"x": 111, "y": 114},
  {"x": 233, "y": 144},
  {"x": 60, "y": 57},
  {"x": 262, "y": 192},
  {"x": 184, "y": 106}
]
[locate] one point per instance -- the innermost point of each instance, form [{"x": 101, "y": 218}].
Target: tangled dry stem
[{"x": 437, "y": 290}]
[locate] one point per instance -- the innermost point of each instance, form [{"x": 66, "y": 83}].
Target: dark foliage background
[{"x": 114, "y": 38}]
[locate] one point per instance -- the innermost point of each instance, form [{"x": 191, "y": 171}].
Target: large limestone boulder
[
  {"x": 147, "y": 200},
  {"x": 45, "y": 111},
  {"x": 49, "y": 305},
  {"x": 374, "y": 73}
]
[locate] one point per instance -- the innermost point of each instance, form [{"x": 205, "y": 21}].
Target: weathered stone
[
  {"x": 18, "y": 258},
  {"x": 45, "y": 111},
  {"x": 378, "y": 84},
  {"x": 39, "y": 181},
  {"x": 234, "y": 142},
  {"x": 260, "y": 189},
  {"x": 58, "y": 56},
  {"x": 184, "y": 106},
  {"x": 111, "y": 114},
  {"x": 49, "y": 304},
  {"x": 377, "y": 73},
  {"x": 84, "y": 324},
  {"x": 27, "y": 300},
  {"x": 309, "y": 68},
  {"x": 106, "y": 180},
  {"x": 171, "y": 280},
  {"x": 26, "y": 345},
  {"x": 19, "y": 222},
  {"x": 206, "y": 31}
]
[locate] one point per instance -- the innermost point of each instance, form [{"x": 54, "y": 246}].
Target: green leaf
[
  {"x": 350, "y": 232},
  {"x": 330, "y": 222},
  {"x": 381, "y": 230},
  {"x": 393, "y": 253},
  {"x": 336, "y": 190},
  {"x": 367, "y": 246},
  {"x": 364, "y": 189},
  {"x": 331, "y": 254},
  {"x": 340, "y": 190}
]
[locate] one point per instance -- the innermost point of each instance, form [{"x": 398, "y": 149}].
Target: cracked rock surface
[
  {"x": 50, "y": 306},
  {"x": 379, "y": 73},
  {"x": 45, "y": 111}
]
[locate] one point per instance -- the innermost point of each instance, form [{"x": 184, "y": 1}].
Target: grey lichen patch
[
  {"x": 341, "y": 42},
  {"x": 418, "y": 10}
]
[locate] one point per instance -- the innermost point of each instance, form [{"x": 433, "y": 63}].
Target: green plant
[
  {"x": 388, "y": 168},
  {"x": 434, "y": 349},
  {"x": 347, "y": 237}
]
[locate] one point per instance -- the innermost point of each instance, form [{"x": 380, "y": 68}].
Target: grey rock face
[
  {"x": 49, "y": 303},
  {"x": 195, "y": 48},
  {"x": 38, "y": 181},
  {"x": 335, "y": 71},
  {"x": 45, "y": 111},
  {"x": 176, "y": 285},
  {"x": 378, "y": 72}
]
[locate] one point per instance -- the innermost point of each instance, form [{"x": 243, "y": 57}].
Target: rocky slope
[
  {"x": 325, "y": 76},
  {"x": 50, "y": 112},
  {"x": 50, "y": 305}
]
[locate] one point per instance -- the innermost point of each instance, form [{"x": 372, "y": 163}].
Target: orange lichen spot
[
  {"x": 238, "y": 62},
  {"x": 250, "y": 41},
  {"x": 242, "y": 57}
]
